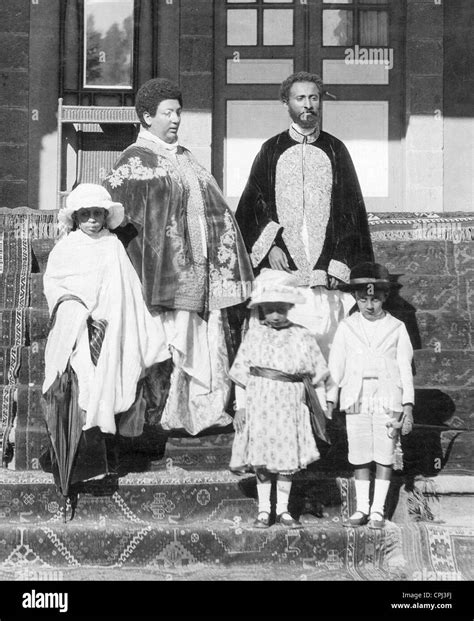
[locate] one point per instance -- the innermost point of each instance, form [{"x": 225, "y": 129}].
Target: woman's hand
[
  {"x": 239, "y": 420},
  {"x": 278, "y": 260},
  {"x": 333, "y": 282}
]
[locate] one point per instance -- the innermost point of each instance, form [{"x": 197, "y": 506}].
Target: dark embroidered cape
[
  {"x": 163, "y": 198},
  {"x": 292, "y": 173}
]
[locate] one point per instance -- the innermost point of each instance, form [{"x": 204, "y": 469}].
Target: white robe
[{"x": 98, "y": 271}]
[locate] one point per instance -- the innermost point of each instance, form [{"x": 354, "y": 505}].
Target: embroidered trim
[
  {"x": 339, "y": 270},
  {"x": 312, "y": 278},
  {"x": 194, "y": 209},
  {"x": 298, "y": 137},
  {"x": 303, "y": 189},
  {"x": 262, "y": 246},
  {"x": 135, "y": 170},
  {"x": 223, "y": 288}
]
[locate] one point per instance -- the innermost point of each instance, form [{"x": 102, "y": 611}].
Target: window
[
  {"x": 362, "y": 22},
  {"x": 108, "y": 44},
  {"x": 108, "y": 48}
]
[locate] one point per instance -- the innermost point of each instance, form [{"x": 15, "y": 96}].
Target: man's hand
[
  {"x": 334, "y": 282},
  {"x": 239, "y": 420},
  {"x": 278, "y": 260},
  {"x": 328, "y": 413}
]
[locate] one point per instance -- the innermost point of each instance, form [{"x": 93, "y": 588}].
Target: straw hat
[
  {"x": 367, "y": 273},
  {"x": 275, "y": 286},
  {"x": 87, "y": 195}
]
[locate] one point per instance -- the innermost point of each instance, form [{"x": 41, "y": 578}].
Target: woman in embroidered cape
[
  {"x": 188, "y": 252},
  {"x": 102, "y": 336}
]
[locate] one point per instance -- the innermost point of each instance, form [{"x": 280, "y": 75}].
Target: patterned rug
[{"x": 18, "y": 228}]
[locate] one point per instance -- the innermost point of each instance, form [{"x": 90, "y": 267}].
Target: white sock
[
  {"x": 380, "y": 493},
  {"x": 283, "y": 494},
  {"x": 362, "y": 495},
  {"x": 263, "y": 491}
]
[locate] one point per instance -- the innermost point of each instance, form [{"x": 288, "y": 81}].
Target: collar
[
  {"x": 146, "y": 135},
  {"x": 296, "y": 135}
]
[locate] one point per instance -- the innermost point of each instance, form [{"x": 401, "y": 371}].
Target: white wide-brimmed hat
[
  {"x": 275, "y": 286},
  {"x": 87, "y": 195}
]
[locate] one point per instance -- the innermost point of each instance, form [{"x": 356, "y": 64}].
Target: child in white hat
[
  {"x": 370, "y": 359},
  {"x": 102, "y": 335},
  {"x": 277, "y": 365}
]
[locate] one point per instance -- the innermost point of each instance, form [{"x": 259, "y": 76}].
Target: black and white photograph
[{"x": 236, "y": 307}]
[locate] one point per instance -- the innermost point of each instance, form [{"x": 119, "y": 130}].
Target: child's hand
[
  {"x": 329, "y": 411},
  {"x": 239, "y": 420},
  {"x": 407, "y": 419}
]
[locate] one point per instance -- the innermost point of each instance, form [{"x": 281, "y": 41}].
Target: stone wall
[
  {"x": 14, "y": 93},
  {"x": 424, "y": 106},
  {"x": 196, "y": 66}
]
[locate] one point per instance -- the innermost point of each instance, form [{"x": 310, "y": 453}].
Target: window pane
[
  {"x": 373, "y": 28},
  {"x": 242, "y": 27},
  {"x": 240, "y": 1},
  {"x": 338, "y": 1},
  {"x": 337, "y": 27},
  {"x": 375, "y": 1},
  {"x": 258, "y": 70},
  {"x": 280, "y": 1},
  {"x": 108, "y": 45},
  {"x": 338, "y": 71},
  {"x": 278, "y": 27}
]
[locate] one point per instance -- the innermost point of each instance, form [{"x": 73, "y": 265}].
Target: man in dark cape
[{"x": 302, "y": 210}]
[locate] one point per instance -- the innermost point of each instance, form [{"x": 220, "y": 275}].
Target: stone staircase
[{"x": 183, "y": 513}]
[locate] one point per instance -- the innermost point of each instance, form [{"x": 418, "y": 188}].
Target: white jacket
[{"x": 390, "y": 355}]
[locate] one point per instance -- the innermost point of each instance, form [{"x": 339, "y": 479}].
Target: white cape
[{"x": 98, "y": 271}]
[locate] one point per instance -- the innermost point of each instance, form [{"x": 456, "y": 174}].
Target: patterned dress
[{"x": 277, "y": 433}]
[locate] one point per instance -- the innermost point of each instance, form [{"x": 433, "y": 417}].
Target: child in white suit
[{"x": 370, "y": 360}]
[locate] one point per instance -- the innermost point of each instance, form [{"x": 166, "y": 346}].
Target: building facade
[{"x": 397, "y": 74}]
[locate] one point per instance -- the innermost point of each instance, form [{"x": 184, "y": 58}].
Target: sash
[{"x": 316, "y": 413}]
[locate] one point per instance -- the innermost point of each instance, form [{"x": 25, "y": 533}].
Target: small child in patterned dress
[
  {"x": 370, "y": 359},
  {"x": 277, "y": 363}
]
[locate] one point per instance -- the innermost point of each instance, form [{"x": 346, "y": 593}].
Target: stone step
[
  {"x": 134, "y": 543},
  {"x": 173, "y": 496},
  {"x": 449, "y": 498},
  {"x": 426, "y": 450}
]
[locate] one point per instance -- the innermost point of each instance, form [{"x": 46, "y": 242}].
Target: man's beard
[{"x": 310, "y": 122}]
